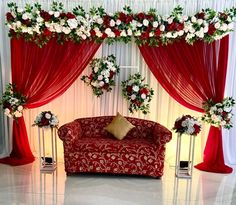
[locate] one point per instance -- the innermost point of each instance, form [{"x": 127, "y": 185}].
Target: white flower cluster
[
  {"x": 80, "y": 25},
  {"x": 219, "y": 114},
  {"x": 46, "y": 119},
  {"x": 103, "y": 71},
  {"x": 18, "y": 112},
  {"x": 188, "y": 125}
]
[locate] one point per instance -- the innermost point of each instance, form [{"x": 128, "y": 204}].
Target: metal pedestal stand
[
  {"x": 184, "y": 172},
  {"x": 44, "y": 164}
]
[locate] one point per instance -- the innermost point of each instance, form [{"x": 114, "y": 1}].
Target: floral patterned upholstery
[{"x": 90, "y": 148}]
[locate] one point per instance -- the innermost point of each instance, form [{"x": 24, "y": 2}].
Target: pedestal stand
[
  {"x": 184, "y": 170},
  {"x": 48, "y": 163}
]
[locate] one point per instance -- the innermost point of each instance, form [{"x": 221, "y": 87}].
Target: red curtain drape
[
  {"x": 42, "y": 74},
  {"x": 193, "y": 75}
]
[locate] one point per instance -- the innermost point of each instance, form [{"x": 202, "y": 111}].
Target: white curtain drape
[{"x": 78, "y": 101}]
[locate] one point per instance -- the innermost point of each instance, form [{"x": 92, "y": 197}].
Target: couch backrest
[{"x": 94, "y": 127}]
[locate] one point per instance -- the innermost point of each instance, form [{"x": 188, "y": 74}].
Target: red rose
[
  {"x": 138, "y": 103},
  {"x": 197, "y": 128},
  {"x": 224, "y": 114},
  {"x": 104, "y": 35},
  {"x": 200, "y": 15},
  {"x": 93, "y": 33},
  {"x": 178, "y": 125},
  {"x": 26, "y": 22},
  {"x": 9, "y": 16},
  {"x": 129, "y": 89},
  {"x": 223, "y": 16},
  {"x": 143, "y": 91},
  {"x": 122, "y": 16},
  {"x": 106, "y": 20},
  {"x": 6, "y": 105},
  {"x": 91, "y": 76},
  {"x": 144, "y": 35},
  {"x": 116, "y": 32},
  {"x": 150, "y": 17},
  {"x": 211, "y": 29},
  {"x": 69, "y": 15},
  {"x": 105, "y": 86},
  {"x": 157, "y": 32},
  {"x": 129, "y": 18},
  {"x": 141, "y": 16},
  {"x": 180, "y": 26},
  {"x": 45, "y": 15},
  {"x": 111, "y": 74},
  {"x": 46, "y": 32},
  {"x": 172, "y": 26},
  {"x": 62, "y": 15}
]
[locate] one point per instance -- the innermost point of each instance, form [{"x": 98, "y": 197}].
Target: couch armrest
[
  {"x": 70, "y": 132},
  {"x": 161, "y": 135}
]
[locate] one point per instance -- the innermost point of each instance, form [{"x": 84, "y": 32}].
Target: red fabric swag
[
  {"x": 43, "y": 74},
  {"x": 192, "y": 75}
]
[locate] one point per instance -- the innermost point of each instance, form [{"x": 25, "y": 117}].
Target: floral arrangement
[
  {"x": 13, "y": 102},
  {"x": 187, "y": 125},
  {"x": 102, "y": 76},
  {"x": 137, "y": 93},
  {"x": 219, "y": 114},
  {"x": 46, "y": 119},
  {"x": 35, "y": 24}
]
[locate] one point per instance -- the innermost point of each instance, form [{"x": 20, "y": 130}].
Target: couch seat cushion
[{"x": 107, "y": 145}]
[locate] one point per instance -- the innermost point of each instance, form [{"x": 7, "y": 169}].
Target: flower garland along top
[
  {"x": 102, "y": 76},
  {"x": 219, "y": 114},
  {"x": 46, "y": 119},
  {"x": 35, "y": 24},
  {"x": 137, "y": 93},
  {"x": 13, "y": 102},
  {"x": 187, "y": 125}
]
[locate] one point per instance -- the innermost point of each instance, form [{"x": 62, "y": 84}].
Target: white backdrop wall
[{"x": 78, "y": 101}]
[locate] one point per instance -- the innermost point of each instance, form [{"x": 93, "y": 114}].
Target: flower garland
[
  {"x": 35, "y": 24},
  {"x": 187, "y": 125},
  {"x": 46, "y": 119},
  {"x": 138, "y": 94},
  {"x": 102, "y": 76},
  {"x": 219, "y": 114},
  {"x": 13, "y": 102}
]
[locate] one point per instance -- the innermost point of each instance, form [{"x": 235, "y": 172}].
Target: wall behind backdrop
[{"x": 79, "y": 101}]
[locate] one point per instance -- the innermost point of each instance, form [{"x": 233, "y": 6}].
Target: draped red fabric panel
[
  {"x": 42, "y": 74},
  {"x": 192, "y": 75}
]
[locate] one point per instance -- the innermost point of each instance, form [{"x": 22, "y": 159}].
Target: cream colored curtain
[{"x": 79, "y": 101}]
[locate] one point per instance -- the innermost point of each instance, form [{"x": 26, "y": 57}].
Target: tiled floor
[{"x": 26, "y": 185}]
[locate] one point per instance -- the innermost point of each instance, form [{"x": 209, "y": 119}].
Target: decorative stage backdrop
[{"x": 78, "y": 100}]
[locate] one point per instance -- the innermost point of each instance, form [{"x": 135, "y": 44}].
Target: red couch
[{"x": 89, "y": 148}]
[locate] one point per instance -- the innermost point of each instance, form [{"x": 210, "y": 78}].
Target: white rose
[
  {"x": 57, "y": 14},
  {"x": 83, "y": 36},
  {"x": 224, "y": 27},
  {"x": 193, "y": 19},
  {"x": 51, "y": 12},
  {"x": 230, "y": 26},
  {"x": 17, "y": 114},
  {"x": 112, "y": 23},
  {"x": 108, "y": 31},
  {"x": 137, "y": 33},
  {"x": 100, "y": 77},
  {"x": 151, "y": 34},
  {"x": 199, "y": 21},
  {"x": 118, "y": 22},
  {"x": 155, "y": 24},
  {"x": 205, "y": 29},
  {"x": 25, "y": 16},
  {"x": 123, "y": 33},
  {"x": 227, "y": 109},
  {"x": 101, "y": 83},
  {"x": 168, "y": 34},
  {"x": 72, "y": 23},
  {"x": 162, "y": 28},
  {"x": 223, "y": 123},
  {"x": 135, "y": 88},
  {"x": 129, "y": 32},
  {"x": 191, "y": 30},
  {"x": 58, "y": 28},
  {"x": 95, "y": 69},
  {"x": 66, "y": 30},
  {"x": 18, "y": 24},
  {"x": 99, "y": 20},
  {"x": 20, "y": 108},
  {"x": 180, "y": 33},
  {"x": 20, "y": 10},
  {"x": 185, "y": 18},
  {"x": 132, "y": 97},
  {"x": 7, "y": 111},
  {"x": 145, "y": 22},
  {"x": 143, "y": 96},
  {"x": 170, "y": 20},
  {"x": 39, "y": 19},
  {"x": 48, "y": 116},
  {"x": 217, "y": 25}
]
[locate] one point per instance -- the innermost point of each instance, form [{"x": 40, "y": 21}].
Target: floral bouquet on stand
[
  {"x": 102, "y": 77},
  {"x": 187, "y": 125},
  {"x": 219, "y": 114},
  {"x": 137, "y": 93},
  {"x": 13, "y": 102},
  {"x": 46, "y": 119}
]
